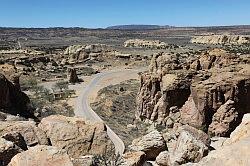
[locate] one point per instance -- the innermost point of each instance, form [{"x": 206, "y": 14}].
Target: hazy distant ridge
[{"x": 138, "y": 27}]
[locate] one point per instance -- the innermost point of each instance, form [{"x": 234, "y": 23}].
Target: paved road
[{"x": 83, "y": 109}]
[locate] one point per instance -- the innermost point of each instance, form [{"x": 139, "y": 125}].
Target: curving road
[{"x": 83, "y": 109}]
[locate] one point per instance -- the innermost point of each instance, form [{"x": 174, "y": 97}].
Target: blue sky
[{"x": 103, "y": 13}]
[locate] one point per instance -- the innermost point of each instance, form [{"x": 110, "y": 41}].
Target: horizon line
[{"x": 170, "y": 26}]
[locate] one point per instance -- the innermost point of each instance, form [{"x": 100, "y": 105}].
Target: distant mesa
[
  {"x": 138, "y": 27},
  {"x": 222, "y": 39}
]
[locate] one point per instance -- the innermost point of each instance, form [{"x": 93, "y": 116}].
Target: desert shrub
[{"x": 108, "y": 158}]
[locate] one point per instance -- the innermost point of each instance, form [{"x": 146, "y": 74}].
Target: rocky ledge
[{"x": 221, "y": 39}]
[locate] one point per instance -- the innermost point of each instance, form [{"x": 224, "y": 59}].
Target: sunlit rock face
[{"x": 221, "y": 39}]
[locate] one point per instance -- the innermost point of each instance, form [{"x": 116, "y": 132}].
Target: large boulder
[
  {"x": 75, "y": 135},
  {"x": 152, "y": 144},
  {"x": 42, "y": 156},
  {"x": 188, "y": 149},
  {"x": 163, "y": 159},
  {"x": 17, "y": 131}
]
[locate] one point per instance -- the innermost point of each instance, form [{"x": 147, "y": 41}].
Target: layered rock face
[
  {"x": 221, "y": 39},
  {"x": 211, "y": 90},
  {"x": 150, "y": 44},
  {"x": 217, "y": 103},
  {"x": 12, "y": 100},
  {"x": 161, "y": 89}
]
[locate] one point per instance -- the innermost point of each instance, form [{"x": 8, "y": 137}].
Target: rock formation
[
  {"x": 151, "y": 44},
  {"x": 78, "y": 53},
  {"x": 221, "y": 39},
  {"x": 236, "y": 149},
  {"x": 189, "y": 145},
  {"x": 218, "y": 103},
  {"x": 75, "y": 135},
  {"x": 52, "y": 141},
  {"x": 187, "y": 149},
  {"x": 42, "y": 156},
  {"x": 72, "y": 75},
  {"x": 161, "y": 90},
  {"x": 23, "y": 133},
  {"x": 211, "y": 90},
  {"x": 152, "y": 144},
  {"x": 12, "y": 100}
]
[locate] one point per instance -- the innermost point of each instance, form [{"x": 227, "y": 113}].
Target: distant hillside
[{"x": 137, "y": 27}]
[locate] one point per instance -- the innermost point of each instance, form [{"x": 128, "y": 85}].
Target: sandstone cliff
[
  {"x": 209, "y": 91},
  {"x": 221, "y": 39}
]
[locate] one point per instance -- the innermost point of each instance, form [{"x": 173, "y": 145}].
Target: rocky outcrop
[
  {"x": 186, "y": 144},
  {"x": 152, "y": 144},
  {"x": 151, "y": 44},
  {"x": 75, "y": 135},
  {"x": 216, "y": 58},
  {"x": 79, "y": 53},
  {"x": 12, "y": 100},
  {"x": 160, "y": 90},
  {"x": 218, "y": 103},
  {"x": 23, "y": 133},
  {"x": 42, "y": 156},
  {"x": 72, "y": 75},
  {"x": 209, "y": 91},
  {"x": 188, "y": 149},
  {"x": 224, "y": 119},
  {"x": 235, "y": 151},
  {"x": 7, "y": 150},
  {"x": 221, "y": 39}
]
